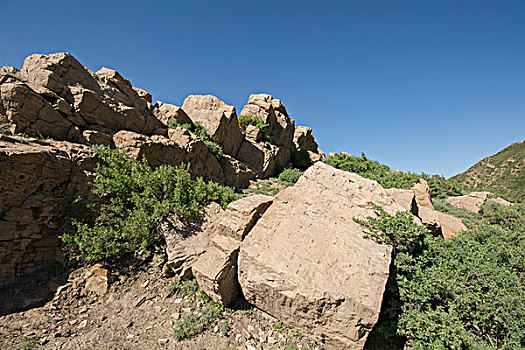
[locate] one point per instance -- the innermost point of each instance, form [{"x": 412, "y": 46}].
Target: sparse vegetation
[
  {"x": 194, "y": 323},
  {"x": 200, "y": 132},
  {"x": 258, "y": 122},
  {"x": 183, "y": 288},
  {"x": 136, "y": 197}
]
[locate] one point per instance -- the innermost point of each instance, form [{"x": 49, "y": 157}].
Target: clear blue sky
[{"x": 420, "y": 85}]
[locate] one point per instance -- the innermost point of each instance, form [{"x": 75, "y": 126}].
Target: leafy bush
[
  {"x": 510, "y": 218},
  {"x": 201, "y": 133},
  {"x": 465, "y": 292},
  {"x": 371, "y": 169},
  {"x": 256, "y": 121},
  {"x": 301, "y": 159},
  {"x": 137, "y": 197},
  {"x": 290, "y": 175}
]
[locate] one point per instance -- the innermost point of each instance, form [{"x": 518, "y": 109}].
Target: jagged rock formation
[
  {"x": 55, "y": 96},
  {"x": 304, "y": 139}
]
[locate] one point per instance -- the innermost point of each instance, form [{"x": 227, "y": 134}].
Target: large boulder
[
  {"x": 303, "y": 259},
  {"x": 273, "y": 113},
  {"x": 236, "y": 173},
  {"x": 450, "y": 225},
  {"x": 219, "y": 119},
  {"x": 165, "y": 111},
  {"x": 472, "y": 201}
]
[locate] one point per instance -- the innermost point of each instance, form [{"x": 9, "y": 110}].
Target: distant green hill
[{"x": 502, "y": 174}]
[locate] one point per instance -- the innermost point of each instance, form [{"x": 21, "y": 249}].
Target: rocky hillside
[
  {"x": 131, "y": 224},
  {"x": 502, "y": 174}
]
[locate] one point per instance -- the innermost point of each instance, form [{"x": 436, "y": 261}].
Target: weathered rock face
[
  {"x": 501, "y": 201},
  {"x": 472, "y": 201},
  {"x": 165, "y": 111},
  {"x": 450, "y": 226},
  {"x": 219, "y": 119},
  {"x": 422, "y": 194},
  {"x": 263, "y": 157},
  {"x": 179, "y": 147},
  {"x": 304, "y": 139},
  {"x": 185, "y": 242},
  {"x": 216, "y": 269},
  {"x": 405, "y": 198},
  {"x": 36, "y": 176},
  {"x": 272, "y": 112},
  {"x": 304, "y": 258}
]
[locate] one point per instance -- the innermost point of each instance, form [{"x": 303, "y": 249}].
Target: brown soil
[{"x": 138, "y": 312}]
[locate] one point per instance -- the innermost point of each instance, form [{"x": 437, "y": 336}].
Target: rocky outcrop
[
  {"x": 62, "y": 98},
  {"x": 265, "y": 156},
  {"x": 180, "y": 146},
  {"x": 166, "y": 112},
  {"x": 219, "y": 119},
  {"x": 303, "y": 259},
  {"x": 471, "y": 202},
  {"x": 304, "y": 139},
  {"x": 36, "y": 177}
]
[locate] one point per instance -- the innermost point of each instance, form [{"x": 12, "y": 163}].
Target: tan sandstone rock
[
  {"x": 216, "y": 269},
  {"x": 304, "y": 139},
  {"x": 263, "y": 157},
  {"x": 450, "y": 225},
  {"x": 185, "y": 242},
  {"x": 240, "y": 216},
  {"x": 280, "y": 127},
  {"x": 472, "y": 201},
  {"x": 501, "y": 201},
  {"x": 179, "y": 147},
  {"x": 304, "y": 258},
  {"x": 219, "y": 119},
  {"x": 405, "y": 198},
  {"x": 165, "y": 111}
]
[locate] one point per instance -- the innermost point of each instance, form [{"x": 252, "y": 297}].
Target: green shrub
[
  {"x": 194, "y": 323},
  {"x": 290, "y": 175},
  {"x": 465, "y": 292},
  {"x": 201, "y": 133},
  {"x": 510, "y": 218},
  {"x": 258, "y": 122},
  {"x": 301, "y": 159},
  {"x": 137, "y": 197},
  {"x": 371, "y": 169}
]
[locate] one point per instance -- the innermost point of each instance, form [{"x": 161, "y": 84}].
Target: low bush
[
  {"x": 258, "y": 122},
  {"x": 201, "y": 133},
  {"x": 136, "y": 197},
  {"x": 290, "y": 175}
]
